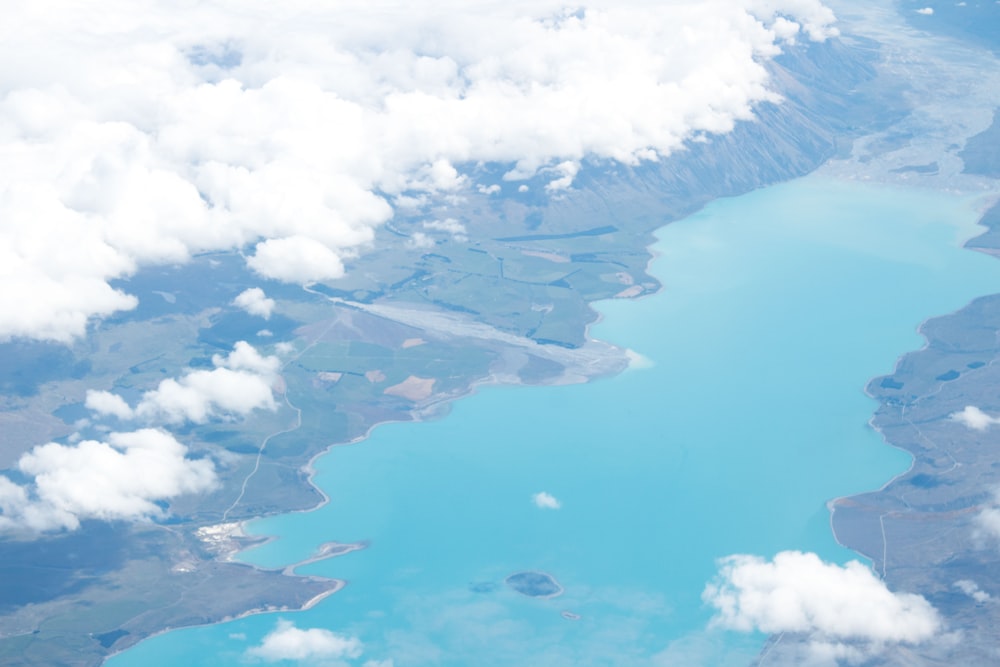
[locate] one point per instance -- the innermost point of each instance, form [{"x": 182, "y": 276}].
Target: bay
[{"x": 746, "y": 419}]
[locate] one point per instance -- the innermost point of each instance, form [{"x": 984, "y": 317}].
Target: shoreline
[
  {"x": 338, "y": 584},
  {"x": 834, "y": 502}
]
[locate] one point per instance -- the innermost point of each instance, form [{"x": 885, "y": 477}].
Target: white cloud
[
  {"x": 254, "y": 301},
  {"x": 785, "y": 29},
  {"x": 149, "y": 131},
  {"x": 987, "y": 522},
  {"x": 106, "y": 403},
  {"x": 420, "y": 241},
  {"x": 451, "y": 226},
  {"x": 926, "y": 11},
  {"x": 815, "y": 19},
  {"x": 296, "y": 259},
  {"x": 567, "y": 172},
  {"x": 239, "y": 384},
  {"x": 287, "y": 642},
  {"x": 245, "y": 357},
  {"x": 974, "y": 418},
  {"x": 545, "y": 501},
  {"x": 201, "y": 395},
  {"x": 972, "y": 589},
  {"x": 846, "y": 611},
  {"x": 122, "y": 478},
  {"x": 285, "y": 347}
]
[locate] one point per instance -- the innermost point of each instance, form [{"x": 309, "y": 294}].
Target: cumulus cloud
[
  {"x": 846, "y": 612},
  {"x": 296, "y": 259},
  {"x": 987, "y": 522},
  {"x": 545, "y": 501},
  {"x": 926, "y": 11},
  {"x": 786, "y": 18},
  {"x": 148, "y": 131},
  {"x": 287, "y": 642},
  {"x": 107, "y": 403},
  {"x": 245, "y": 357},
  {"x": 124, "y": 478},
  {"x": 566, "y": 172},
  {"x": 239, "y": 384},
  {"x": 201, "y": 395},
  {"x": 974, "y": 418},
  {"x": 254, "y": 301}
]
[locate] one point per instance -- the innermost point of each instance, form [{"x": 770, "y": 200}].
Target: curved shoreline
[
  {"x": 832, "y": 503},
  {"x": 338, "y": 584}
]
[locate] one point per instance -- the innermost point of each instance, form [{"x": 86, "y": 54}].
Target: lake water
[{"x": 777, "y": 308}]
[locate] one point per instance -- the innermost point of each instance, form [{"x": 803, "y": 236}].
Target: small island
[{"x": 534, "y": 584}]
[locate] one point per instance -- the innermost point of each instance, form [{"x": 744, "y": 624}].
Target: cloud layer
[
  {"x": 123, "y": 478},
  {"x": 146, "y": 132},
  {"x": 846, "y": 611}
]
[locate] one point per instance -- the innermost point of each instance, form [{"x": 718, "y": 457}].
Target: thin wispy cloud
[
  {"x": 146, "y": 132},
  {"x": 451, "y": 226},
  {"x": 972, "y": 589}
]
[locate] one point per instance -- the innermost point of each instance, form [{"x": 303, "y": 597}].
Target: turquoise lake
[{"x": 777, "y": 308}]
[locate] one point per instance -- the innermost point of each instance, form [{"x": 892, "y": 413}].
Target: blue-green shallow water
[{"x": 777, "y": 308}]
